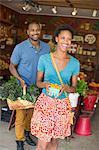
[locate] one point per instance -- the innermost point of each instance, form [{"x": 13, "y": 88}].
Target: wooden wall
[
  {"x": 83, "y": 26},
  {"x": 51, "y": 22}
]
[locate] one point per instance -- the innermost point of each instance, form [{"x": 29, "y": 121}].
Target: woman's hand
[
  {"x": 66, "y": 88},
  {"x": 47, "y": 85},
  {"x": 63, "y": 89}
]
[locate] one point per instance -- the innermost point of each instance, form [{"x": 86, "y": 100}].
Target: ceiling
[{"x": 64, "y": 7}]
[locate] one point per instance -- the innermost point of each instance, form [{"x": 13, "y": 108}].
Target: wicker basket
[{"x": 19, "y": 104}]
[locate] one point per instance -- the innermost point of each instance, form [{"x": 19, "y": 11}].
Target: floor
[{"x": 7, "y": 138}]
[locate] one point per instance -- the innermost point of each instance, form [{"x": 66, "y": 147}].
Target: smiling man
[{"x": 23, "y": 66}]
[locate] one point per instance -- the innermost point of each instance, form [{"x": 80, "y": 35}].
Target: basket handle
[{"x": 24, "y": 90}]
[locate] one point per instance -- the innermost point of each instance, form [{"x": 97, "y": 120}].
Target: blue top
[
  {"x": 45, "y": 65},
  {"x": 26, "y": 56}
]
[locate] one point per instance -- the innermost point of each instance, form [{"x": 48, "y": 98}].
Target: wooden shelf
[{"x": 5, "y": 21}]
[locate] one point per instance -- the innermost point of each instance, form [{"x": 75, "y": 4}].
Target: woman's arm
[
  {"x": 40, "y": 83},
  {"x": 72, "y": 88}
]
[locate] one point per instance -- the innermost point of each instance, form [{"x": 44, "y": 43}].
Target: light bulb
[
  {"x": 74, "y": 12},
  {"x": 27, "y": 7},
  {"x": 54, "y": 10},
  {"x": 94, "y": 13},
  {"x": 39, "y": 9}
]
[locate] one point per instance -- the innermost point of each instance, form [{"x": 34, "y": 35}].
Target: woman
[{"x": 51, "y": 118}]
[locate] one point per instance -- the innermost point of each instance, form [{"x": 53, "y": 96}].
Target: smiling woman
[{"x": 52, "y": 115}]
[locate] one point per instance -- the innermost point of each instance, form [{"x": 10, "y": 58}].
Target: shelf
[
  {"x": 5, "y": 21},
  {"x": 83, "y": 32},
  {"x": 81, "y": 55}
]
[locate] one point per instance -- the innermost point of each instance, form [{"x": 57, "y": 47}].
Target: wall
[
  {"x": 82, "y": 27},
  {"x": 49, "y": 23}
]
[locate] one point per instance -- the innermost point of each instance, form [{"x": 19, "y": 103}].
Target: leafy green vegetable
[
  {"x": 82, "y": 87},
  {"x": 12, "y": 90}
]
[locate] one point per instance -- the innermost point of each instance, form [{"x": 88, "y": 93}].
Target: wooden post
[{"x": 97, "y": 61}]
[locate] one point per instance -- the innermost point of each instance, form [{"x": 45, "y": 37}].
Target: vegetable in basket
[{"x": 13, "y": 91}]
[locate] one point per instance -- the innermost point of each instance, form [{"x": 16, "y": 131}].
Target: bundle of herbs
[
  {"x": 82, "y": 87},
  {"x": 13, "y": 91}
]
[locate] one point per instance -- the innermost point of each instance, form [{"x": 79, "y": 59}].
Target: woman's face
[{"x": 64, "y": 40}]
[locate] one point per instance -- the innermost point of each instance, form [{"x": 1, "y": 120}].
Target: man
[{"x": 23, "y": 66}]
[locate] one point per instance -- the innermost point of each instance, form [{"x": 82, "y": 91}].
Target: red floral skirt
[{"x": 51, "y": 118}]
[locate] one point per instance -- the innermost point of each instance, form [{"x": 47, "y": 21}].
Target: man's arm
[{"x": 14, "y": 72}]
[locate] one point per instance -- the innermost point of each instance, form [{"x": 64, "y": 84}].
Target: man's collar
[{"x": 30, "y": 44}]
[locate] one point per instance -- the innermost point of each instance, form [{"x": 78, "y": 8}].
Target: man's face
[{"x": 34, "y": 32}]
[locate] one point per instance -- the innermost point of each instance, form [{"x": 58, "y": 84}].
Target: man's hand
[{"x": 22, "y": 82}]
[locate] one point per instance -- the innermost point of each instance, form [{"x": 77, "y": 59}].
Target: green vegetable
[
  {"x": 12, "y": 90},
  {"x": 82, "y": 87}
]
